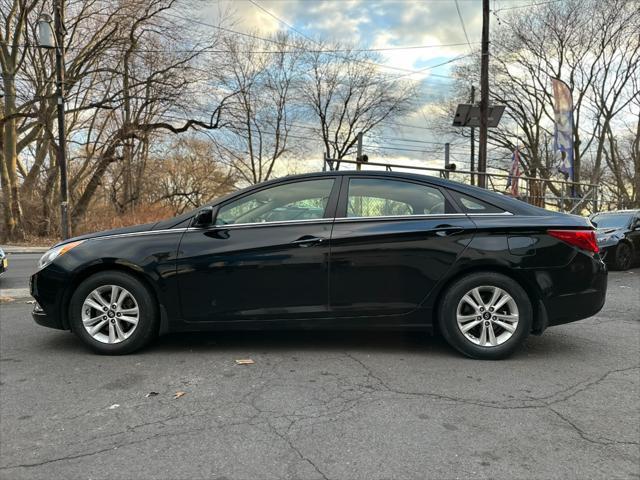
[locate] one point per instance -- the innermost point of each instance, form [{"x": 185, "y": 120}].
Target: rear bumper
[{"x": 579, "y": 291}]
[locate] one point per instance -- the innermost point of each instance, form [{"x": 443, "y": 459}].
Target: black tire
[
  {"x": 448, "y": 323},
  {"x": 147, "y": 325},
  {"x": 623, "y": 256}
]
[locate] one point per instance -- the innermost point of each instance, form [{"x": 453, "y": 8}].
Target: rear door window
[{"x": 381, "y": 197}]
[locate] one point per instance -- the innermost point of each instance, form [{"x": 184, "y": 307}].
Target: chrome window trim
[
  {"x": 489, "y": 214},
  {"x": 401, "y": 217},
  {"x": 349, "y": 219},
  {"x": 423, "y": 216},
  {"x": 264, "y": 224}
]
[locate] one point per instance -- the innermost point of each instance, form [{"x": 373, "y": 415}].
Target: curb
[
  {"x": 9, "y": 294},
  {"x": 25, "y": 249}
]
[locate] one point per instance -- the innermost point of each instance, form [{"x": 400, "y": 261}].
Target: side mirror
[{"x": 204, "y": 217}]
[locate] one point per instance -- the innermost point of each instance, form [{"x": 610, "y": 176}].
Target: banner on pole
[
  {"x": 563, "y": 132},
  {"x": 514, "y": 174}
]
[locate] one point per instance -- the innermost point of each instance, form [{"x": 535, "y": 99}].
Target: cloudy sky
[{"x": 431, "y": 28}]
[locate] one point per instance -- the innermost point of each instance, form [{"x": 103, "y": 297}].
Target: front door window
[{"x": 305, "y": 200}]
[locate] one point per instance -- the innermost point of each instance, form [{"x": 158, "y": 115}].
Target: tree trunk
[{"x": 13, "y": 221}]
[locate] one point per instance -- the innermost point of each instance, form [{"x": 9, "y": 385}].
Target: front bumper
[
  {"x": 607, "y": 252},
  {"x": 41, "y": 318},
  {"x": 49, "y": 300}
]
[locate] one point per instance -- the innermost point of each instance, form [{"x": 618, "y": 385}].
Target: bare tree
[
  {"x": 266, "y": 75},
  {"x": 186, "y": 174},
  {"x": 348, "y": 95},
  {"x": 593, "y": 46},
  {"x": 128, "y": 82},
  {"x": 13, "y": 34}
]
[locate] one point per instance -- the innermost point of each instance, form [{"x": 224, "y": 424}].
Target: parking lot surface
[{"x": 324, "y": 405}]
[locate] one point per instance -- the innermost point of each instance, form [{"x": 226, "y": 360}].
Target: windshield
[{"x": 611, "y": 220}]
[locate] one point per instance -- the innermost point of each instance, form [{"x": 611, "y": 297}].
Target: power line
[
  {"x": 356, "y": 60},
  {"x": 410, "y": 72},
  {"x": 215, "y": 50},
  {"x": 464, "y": 29},
  {"x": 291, "y": 27},
  {"x": 526, "y": 6}
]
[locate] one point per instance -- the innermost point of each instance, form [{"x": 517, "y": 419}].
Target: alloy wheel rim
[
  {"x": 110, "y": 314},
  {"x": 487, "y": 316}
]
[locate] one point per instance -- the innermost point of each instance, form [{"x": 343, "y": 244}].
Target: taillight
[{"x": 583, "y": 239}]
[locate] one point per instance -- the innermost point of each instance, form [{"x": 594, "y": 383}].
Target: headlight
[{"x": 54, "y": 253}]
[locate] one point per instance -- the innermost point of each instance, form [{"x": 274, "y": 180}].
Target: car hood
[{"x": 116, "y": 231}]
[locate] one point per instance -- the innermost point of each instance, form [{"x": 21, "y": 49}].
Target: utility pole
[
  {"x": 446, "y": 160},
  {"x": 472, "y": 163},
  {"x": 359, "y": 154},
  {"x": 61, "y": 154},
  {"x": 484, "y": 97}
]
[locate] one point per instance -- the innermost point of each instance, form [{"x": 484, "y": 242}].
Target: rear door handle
[
  {"x": 307, "y": 241},
  {"x": 447, "y": 230}
]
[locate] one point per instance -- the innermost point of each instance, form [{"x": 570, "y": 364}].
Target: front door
[
  {"x": 266, "y": 257},
  {"x": 392, "y": 241}
]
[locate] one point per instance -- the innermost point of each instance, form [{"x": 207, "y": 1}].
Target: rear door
[{"x": 392, "y": 241}]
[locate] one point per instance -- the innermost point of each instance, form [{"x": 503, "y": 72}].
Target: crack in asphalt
[
  {"x": 331, "y": 409},
  {"x": 538, "y": 402},
  {"x": 584, "y": 434}
]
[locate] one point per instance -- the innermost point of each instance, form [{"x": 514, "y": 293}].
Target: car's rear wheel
[
  {"x": 113, "y": 313},
  {"x": 485, "y": 315},
  {"x": 623, "y": 256}
]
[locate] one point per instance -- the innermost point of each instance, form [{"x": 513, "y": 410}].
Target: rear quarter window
[{"x": 470, "y": 204}]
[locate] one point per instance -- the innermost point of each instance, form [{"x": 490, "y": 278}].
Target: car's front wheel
[
  {"x": 623, "y": 256},
  {"x": 485, "y": 315},
  {"x": 113, "y": 313}
]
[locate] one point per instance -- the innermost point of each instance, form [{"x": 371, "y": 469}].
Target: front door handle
[{"x": 307, "y": 241}]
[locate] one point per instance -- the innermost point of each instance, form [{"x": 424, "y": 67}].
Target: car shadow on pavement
[
  {"x": 303, "y": 340},
  {"x": 372, "y": 341},
  {"x": 234, "y": 342}
]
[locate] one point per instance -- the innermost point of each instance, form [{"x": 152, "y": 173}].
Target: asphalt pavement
[
  {"x": 323, "y": 405},
  {"x": 21, "y": 266}
]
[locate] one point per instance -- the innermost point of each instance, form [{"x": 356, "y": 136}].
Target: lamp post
[{"x": 53, "y": 37}]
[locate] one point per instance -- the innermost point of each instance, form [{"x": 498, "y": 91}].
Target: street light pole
[
  {"x": 58, "y": 19},
  {"x": 49, "y": 37}
]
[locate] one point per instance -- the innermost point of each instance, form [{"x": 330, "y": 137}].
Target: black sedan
[
  {"x": 331, "y": 250},
  {"x": 618, "y": 235}
]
